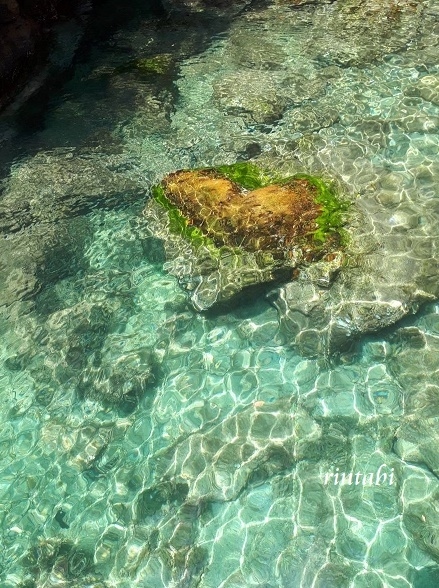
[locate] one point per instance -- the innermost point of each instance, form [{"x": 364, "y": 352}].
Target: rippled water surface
[{"x": 143, "y": 444}]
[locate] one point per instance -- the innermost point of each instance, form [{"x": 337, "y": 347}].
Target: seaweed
[
  {"x": 331, "y": 220},
  {"x": 156, "y": 65},
  {"x": 246, "y": 175},
  {"x": 178, "y": 223}
]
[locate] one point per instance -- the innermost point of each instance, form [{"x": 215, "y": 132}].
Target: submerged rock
[
  {"x": 32, "y": 259},
  {"x": 232, "y": 227},
  {"x": 364, "y": 299},
  {"x": 427, "y": 88},
  {"x": 71, "y": 563},
  {"x": 30, "y": 32},
  {"x": 257, "y": 96},
  {"x": 63, "y": 183},
  {"x": 217, "y": 464},
  {"x": 360, "y": 31},
  {"x": 270, "y": 217}
]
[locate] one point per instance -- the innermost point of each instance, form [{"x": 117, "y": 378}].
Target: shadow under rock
[{"x": 249, "y": 302}]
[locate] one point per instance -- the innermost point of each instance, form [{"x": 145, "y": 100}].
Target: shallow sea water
[{"x": 143, "y": 444}]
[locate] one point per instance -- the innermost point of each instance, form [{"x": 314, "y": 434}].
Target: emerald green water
[{"x": 143, "y": 444}]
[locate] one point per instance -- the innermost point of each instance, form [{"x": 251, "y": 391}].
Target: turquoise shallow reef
[{"x": 144, "y": 444}]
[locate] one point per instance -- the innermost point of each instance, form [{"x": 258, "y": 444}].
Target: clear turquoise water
[{"x": 143, "y": 444}]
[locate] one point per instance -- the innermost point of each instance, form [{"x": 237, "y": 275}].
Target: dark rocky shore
[{"x": 30, "y": 32}]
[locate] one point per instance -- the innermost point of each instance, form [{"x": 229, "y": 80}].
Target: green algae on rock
[
  {"x": 178, "y": 223},
  {"x": 155, "y": 65},
  {"x": 234, "y": 226},
  {"x": 242, "y": 206}
]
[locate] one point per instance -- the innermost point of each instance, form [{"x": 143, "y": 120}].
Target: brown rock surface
[{"x": 279, "y": 215}]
